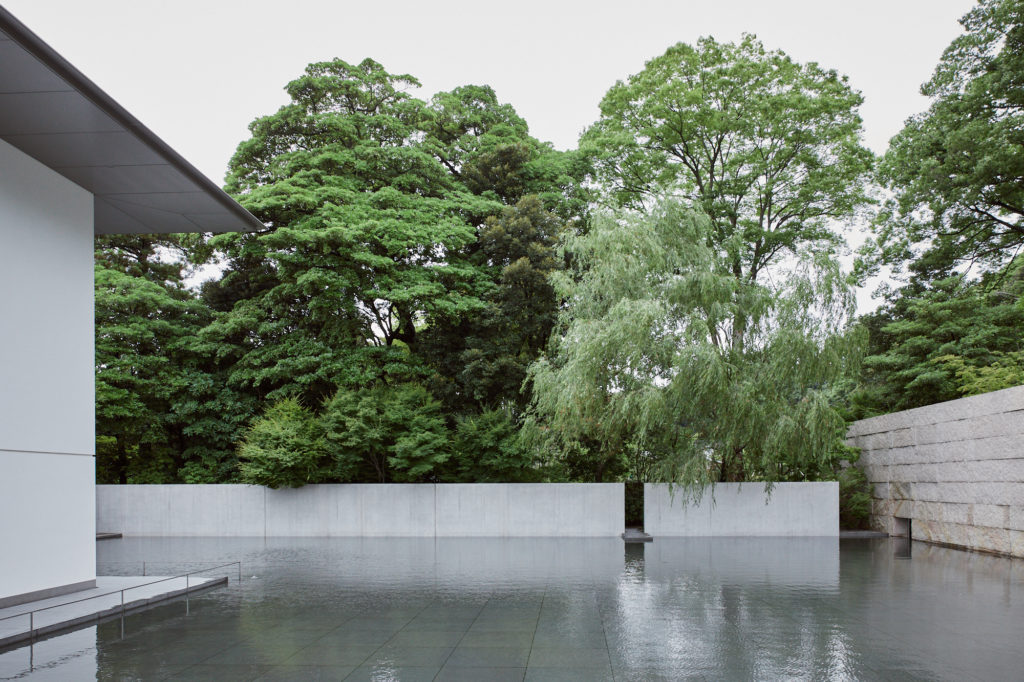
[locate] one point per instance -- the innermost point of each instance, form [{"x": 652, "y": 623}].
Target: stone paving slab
[{"x": 86, "y": 606}]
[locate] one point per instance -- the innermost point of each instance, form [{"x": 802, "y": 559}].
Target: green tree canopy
[
  {"x": 942, "y": 340},
  {"x": 163, "y": 412},
  {"x": 386, "y": 434},
  {"x": 957, "y": 170},
  {"x": 767, "y": 148},
  {"x": 643, "y": 356},
  {"x": 375, "y": 202}
]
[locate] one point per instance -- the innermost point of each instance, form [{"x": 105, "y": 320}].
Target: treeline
[{"x": 439, "y": 296}]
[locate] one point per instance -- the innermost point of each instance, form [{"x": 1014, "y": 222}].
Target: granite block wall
[{"x": 955, "y": 469}]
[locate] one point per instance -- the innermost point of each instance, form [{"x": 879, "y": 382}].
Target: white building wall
[{"x": 47, "y": 394}]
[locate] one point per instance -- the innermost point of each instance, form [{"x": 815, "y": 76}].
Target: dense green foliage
[
  {"x": 645, "y": 357},
  {"x": 957, "y": 170},
  {"x": 162, "y": 409},
  {"x": 942, "y": 341},
  {"x": 439, "y": 296},
  {"x": 767, "y": 148},
  {"x": 956, "y": 173}
]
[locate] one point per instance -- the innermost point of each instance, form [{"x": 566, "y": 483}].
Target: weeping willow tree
[{"x": 646, "y": 356}]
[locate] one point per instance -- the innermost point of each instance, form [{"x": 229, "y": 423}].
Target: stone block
[
  {"x": 941, "y": 531},
  {"x": 880, "y": 490},
  {"x": 876, "y": 441},
  {"x": 1017, "y": 543},
  {"x": 997, "y": 470},
  {"x": 875, "y": 472},
  {"x": 901, "y": 490},
  {"x": 990, "y": 515},
  {"x": 945, "y": 472},
  {"x": 989, "y": 539},
  {"x": 954, "y": 513},
  {"x": 1016, "y": 517},
  {"x": 881, "y": 508},
  {"x": 937, "y": 453},
  {"x": 882, "y": 524},
  {"x": 1001, "y": 424},
  {"x": 944, "y": 432},
  {"x": 903, "y": 508},
  {"x": 997, "y": 447},
  {"x": 901, "y": 438}
]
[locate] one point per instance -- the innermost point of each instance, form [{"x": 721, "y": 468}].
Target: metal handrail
[{"x": 31, "y": 614}]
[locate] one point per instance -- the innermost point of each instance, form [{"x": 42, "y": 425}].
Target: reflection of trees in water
[{"x": 759, "y": 629}]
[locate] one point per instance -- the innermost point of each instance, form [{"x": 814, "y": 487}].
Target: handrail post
[{"x": 31, "y": 625}]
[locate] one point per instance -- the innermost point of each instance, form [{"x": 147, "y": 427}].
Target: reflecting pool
[{"x": 555, "y": 609}]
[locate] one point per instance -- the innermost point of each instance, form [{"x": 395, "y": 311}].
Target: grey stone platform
[
  {"x": 635, "y": 535},
  {"x": 70, "y": 611}
]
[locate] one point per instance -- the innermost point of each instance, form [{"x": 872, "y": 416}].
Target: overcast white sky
[{"x": 196, "y": 73}]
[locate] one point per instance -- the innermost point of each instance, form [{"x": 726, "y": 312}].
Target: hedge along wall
[
  {"x": 955, "y": 469},
  {"x": 375, "y": 510},
  {"x": 744, "y": 509}
]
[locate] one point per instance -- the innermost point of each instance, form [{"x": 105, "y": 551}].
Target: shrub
[{"x": 283, "y": 448}]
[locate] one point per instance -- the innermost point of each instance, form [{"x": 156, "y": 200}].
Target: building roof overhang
[{"x": 52, "y": 112}]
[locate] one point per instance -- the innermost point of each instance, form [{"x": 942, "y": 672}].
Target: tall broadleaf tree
[
  {"x": 372, "y": 228},
  {"x": 364, "y": 229},
  {"x": 769, "y": 149}
]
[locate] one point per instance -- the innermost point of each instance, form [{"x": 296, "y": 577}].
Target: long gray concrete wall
[
  {"x": 955, "y": 469},
  {"x": 387, "y": 510},
  {"x": 735, "y": 509}
]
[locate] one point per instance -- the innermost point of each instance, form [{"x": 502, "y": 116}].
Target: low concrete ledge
[
  {"x": 365, "y": 510},
  {"x": 93, "y": 605},
  {"x": 744, "y": 510}
]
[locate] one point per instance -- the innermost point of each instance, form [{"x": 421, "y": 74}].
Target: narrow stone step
[{"x": 636, "y": 535}]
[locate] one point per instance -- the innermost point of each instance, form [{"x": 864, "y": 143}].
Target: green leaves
[
  {"x": 645, "y": 356},
  {"x": 283, "y": 448},
  {"x": 957, "y": 170},
  {"x": 939, "y": 342},
  {"x": 769, "y": 149}
]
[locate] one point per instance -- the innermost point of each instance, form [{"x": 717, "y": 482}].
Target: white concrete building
[{"x": 73, "y": 163}]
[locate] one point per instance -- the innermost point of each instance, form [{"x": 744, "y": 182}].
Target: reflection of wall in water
[{"x": 806, "y": 562}]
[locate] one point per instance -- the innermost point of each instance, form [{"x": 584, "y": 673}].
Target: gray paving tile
[
  {"x": 221, "y": 673},
  {"x": 468, "y": 674},
  {"x": 564, "y": 657},
  {"x": 314, "y": 673},
  {"x": 489, "y": 657},
  {"x": 429, "y": 638},
  {"x": 568, "y": 675},
  {"x": 393, "y": 673},
  {"x": 500, "y": 639},
  {"x": 337, "y": 655},
  {"x": 414, "y": 656}
]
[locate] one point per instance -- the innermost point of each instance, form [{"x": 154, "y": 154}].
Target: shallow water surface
[{"x": 554, "y": 609}]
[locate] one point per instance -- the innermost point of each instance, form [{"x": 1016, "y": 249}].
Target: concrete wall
[
  {"x": 47, "y": 440},
  {"x": 424, "y": 510},
  {"x": 734, "y": 509},
  {"x": 955, "y": 469}
]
